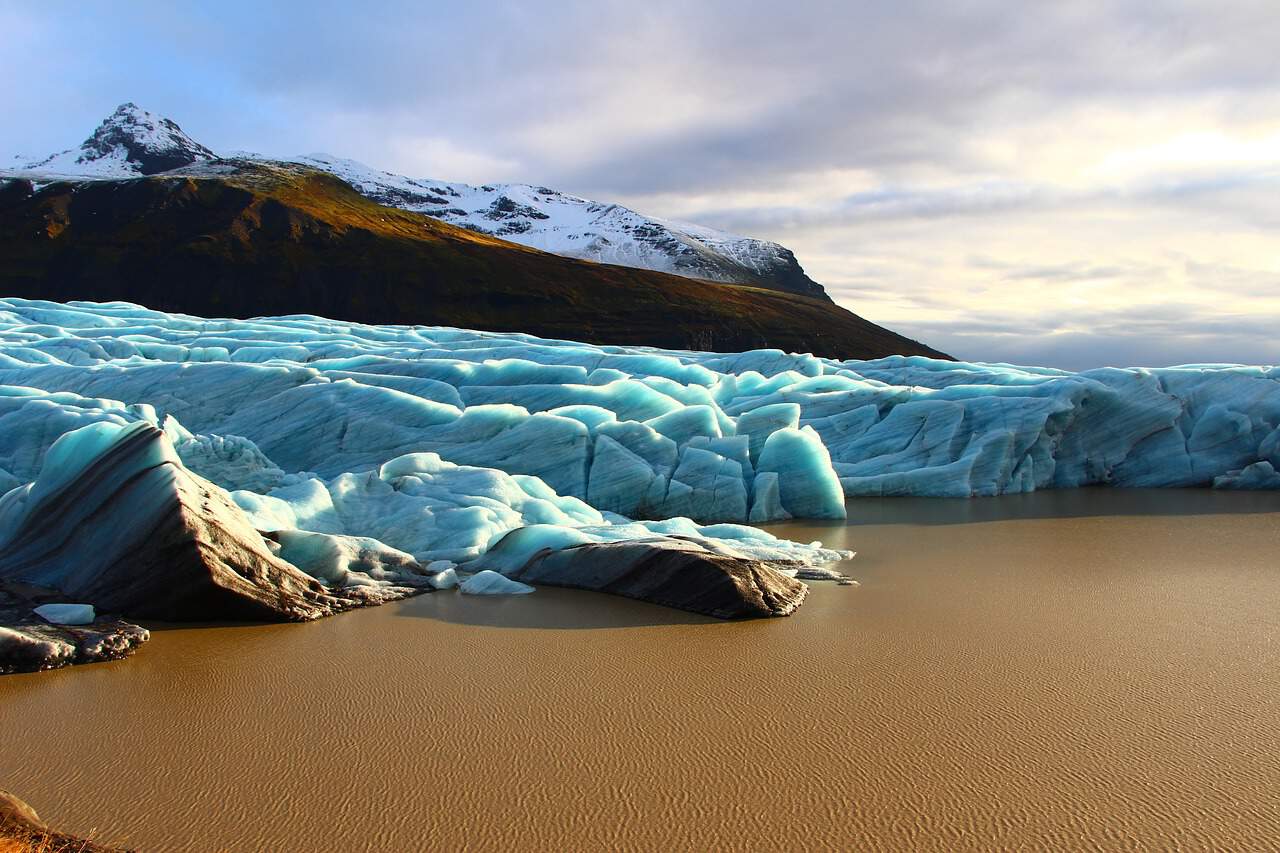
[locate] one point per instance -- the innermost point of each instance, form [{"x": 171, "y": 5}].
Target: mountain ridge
[
  {"x": 133, "y": 142},
  {"x": 128, "y": 143},
  {"x": 244, "y": 239}
]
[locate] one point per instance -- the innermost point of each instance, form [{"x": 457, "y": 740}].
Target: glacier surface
[
  {"x": 310, "y": 420},
  {"x": 376, "y": 455}
]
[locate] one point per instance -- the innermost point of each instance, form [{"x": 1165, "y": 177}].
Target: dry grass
[
  {"x": 45, "y": 844},
  {"x": 15, "y": 839}
]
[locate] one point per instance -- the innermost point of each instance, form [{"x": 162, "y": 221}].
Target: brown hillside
[{"x": 263, "y": 240}]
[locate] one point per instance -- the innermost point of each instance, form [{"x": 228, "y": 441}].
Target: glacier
[
  {"x": 569, "y": 433},
  {"x": 383, "y": 460}
]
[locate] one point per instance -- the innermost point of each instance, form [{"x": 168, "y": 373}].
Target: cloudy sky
[{"x": 1069, "y": 184}]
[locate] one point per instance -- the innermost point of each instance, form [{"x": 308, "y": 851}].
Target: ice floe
[
  {"x": 490, "y": 582},
  {"x": 66, "y": 614}
]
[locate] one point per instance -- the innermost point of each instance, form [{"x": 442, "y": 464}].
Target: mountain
[
  {"x": 242, "y": 238},
  {"x": 129, "y": 143},
  {"x": 132, "y": 142},
  {"x": 564, "y": 224}
]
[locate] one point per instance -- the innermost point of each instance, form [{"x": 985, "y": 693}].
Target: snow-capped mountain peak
[{"x": 130, "y": 142}]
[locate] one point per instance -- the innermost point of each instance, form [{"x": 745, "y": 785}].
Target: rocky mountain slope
[{"x": 132, "y": 142}]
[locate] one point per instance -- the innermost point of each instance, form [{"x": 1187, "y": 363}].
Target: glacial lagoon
[{"x": 1088, "y": 667}]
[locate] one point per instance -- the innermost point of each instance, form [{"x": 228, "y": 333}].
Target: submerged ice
[{"x": 369, "y": 455}]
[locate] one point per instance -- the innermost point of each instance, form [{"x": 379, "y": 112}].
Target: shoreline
[{"x": 1092, "y": 669}]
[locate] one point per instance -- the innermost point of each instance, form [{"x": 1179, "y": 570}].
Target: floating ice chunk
[
  {"x": 491, "y": 583},
  {"x": 136, "y": 533},
  {"x": 445, "y": 578},
  {"x": 66, "y": 614},
  {"x": 673, "y": 572}
]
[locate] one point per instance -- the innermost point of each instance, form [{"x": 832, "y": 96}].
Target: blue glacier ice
[
  {"x": 444, "y": 578},
  {"x": 363, "y": 451},
  {"x": 252, "y": 404},
  {"x": 492, "y": 583},
  {"x": 66, "y": 614}
]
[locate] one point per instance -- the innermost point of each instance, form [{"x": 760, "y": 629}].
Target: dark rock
[{"x": 15, "y": 191}]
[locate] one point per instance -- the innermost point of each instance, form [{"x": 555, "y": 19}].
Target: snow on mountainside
[
  {"x": 130, "y": 142},
  {"x": 564, "y": 224},
  {"x": 133, "y": 142}
]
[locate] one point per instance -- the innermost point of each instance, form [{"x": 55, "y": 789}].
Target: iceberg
[
  {"x": 115, "y": 517},
  {"x": 66, "y": 614},
  {"x": 491, "y": 583},
  {"x": 445, "y": 578}
]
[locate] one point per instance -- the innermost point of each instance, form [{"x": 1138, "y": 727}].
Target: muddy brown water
[{"x": 1086, "y": 669}]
